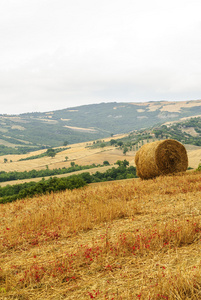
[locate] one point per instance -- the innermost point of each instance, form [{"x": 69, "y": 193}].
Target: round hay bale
[{"x": 161, "y": 158}]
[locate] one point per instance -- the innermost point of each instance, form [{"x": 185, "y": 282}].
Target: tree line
[
  {"x": 11, "y": 193},
  {"x": 14, "y": 175}
]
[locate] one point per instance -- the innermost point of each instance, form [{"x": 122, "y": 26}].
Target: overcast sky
[{"x": 56, "y": 54}]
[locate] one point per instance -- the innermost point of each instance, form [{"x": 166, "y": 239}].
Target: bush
[
  {"x": 199, "y": 168},
  {"x": 10, "y": 193}
]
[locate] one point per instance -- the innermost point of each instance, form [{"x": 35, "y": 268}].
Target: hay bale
[{"x": 161, "y": 158}]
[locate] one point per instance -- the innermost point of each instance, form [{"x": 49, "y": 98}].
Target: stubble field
[
  {"x": 82, "y": 155},
  {"x": 79, "y": 153},
  {"x": 128, "y": 239}
]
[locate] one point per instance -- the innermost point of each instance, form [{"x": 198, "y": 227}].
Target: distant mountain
[{"x": 89, "y": 122}]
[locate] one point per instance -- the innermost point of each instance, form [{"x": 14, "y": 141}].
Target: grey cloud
[{"x": 57, "y": 54}]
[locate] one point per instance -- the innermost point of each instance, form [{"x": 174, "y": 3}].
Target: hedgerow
[{"x": 11, "y": 193}]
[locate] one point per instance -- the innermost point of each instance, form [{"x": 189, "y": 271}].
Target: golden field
[
  {"x": 128, "y": 239},
  {"x": 81, "y": 154}
]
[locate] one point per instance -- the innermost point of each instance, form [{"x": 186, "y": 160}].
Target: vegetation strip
[
  {"x": 11, "y": 193},
  {"x": 14, "y": 175}
]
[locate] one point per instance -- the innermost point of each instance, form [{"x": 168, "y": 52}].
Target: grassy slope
[{"x": 130, "y": 239}]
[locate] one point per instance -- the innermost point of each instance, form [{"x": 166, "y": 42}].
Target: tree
[
  {"x": 65, "y": 143},
  {"x": 125, "y": 150},
  {"x": 51, "y": 152},
  {"x": 72, "y": 164},
  {"x": 87, "y": 177},
  {"x": 66, "y": 158},
  {"x": 102, "y": 145},
  {"x": 5, "y": 160},
  {"x": 118, "y": 162},
  {"x": 120, "y": 143},
  {"x": 113, "y": 142},
  {"x": 125, "y": 163},
  {"x": 106, "y": 163}
]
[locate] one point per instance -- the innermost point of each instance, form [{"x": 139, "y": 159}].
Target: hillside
[
  {"x": 187, "y": 131},
  {"x": 79, "y": 153},
  {"x": 84, "y": 154},
  {"x": 129, "y": 239},
  {"x": 32, "y": 131}
]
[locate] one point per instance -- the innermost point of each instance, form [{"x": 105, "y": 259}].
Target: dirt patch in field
[
  {"x": 190, "y": 130},
  {"x": 176, "y": 107},
  {"x": 80, "y": 129},
  {"x": 18, "y": 127},
  {"x": 5, "y": 143}
]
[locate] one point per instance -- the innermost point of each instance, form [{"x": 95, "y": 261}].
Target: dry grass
[
  {"x": 177, "y": 106},
  {"x": 79, "y": 153},
  {"x": 170, "y": 106},
  {"x": 130, "y": 239},
  {"x": 81, "y": 156}
]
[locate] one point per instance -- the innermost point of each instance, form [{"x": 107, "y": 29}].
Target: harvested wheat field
[
  {"x": 78, "y": 153},
  {"x": 129, "y": 239},
  {"x": 81, "y": 156}
]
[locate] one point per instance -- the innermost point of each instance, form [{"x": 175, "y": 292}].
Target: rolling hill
[
  {"x": 82, "y": 154},
  {"x": 124, "y": 240},
  {"x": 32, "y": 131}
]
